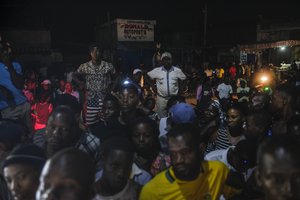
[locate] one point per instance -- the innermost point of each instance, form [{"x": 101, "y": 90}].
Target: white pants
[{"x": 161, "y": 106}]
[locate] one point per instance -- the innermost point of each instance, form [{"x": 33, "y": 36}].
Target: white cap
[
  {"x": 135, "y": 71},
  {"x": 46, "y": 82},
  {"x": 166, "y": 54}
]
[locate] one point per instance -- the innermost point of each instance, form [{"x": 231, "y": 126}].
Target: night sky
[{"x": 74, "y": 21}]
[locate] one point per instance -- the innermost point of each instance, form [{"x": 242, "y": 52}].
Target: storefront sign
[{"x": 135, "y": 30}]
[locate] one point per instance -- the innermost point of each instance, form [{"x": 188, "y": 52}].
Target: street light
[
  {"x": 282, "y": 48},
  {"x": 264, "y": 78}
]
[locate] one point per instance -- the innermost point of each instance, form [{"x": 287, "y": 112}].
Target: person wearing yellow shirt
[
  {"x": 189, "y": 177},
  {"x": 220, "y": 72}
]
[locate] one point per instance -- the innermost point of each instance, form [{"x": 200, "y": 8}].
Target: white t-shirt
[
  {"x": 163, "y": 126},
  {"x": 224, "y": 90},
  {"x": 139, "y": 175},
  {"x": 221, "y": 155}
]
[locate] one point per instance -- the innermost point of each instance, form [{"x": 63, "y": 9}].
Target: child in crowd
[
  {"x": 41, "y": 111},
  {"x": 69, "y": 90},
  {"x": 150, "y": 104}
]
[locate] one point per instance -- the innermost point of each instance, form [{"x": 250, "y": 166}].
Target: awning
[{"x": 269, "y": 45}]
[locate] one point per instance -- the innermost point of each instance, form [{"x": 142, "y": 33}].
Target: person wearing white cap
[
  {"x": 46, "y": 85},
  {"x": 167, "y": 79},
  {"x": 46, "y": 82},
  {"x": 138, "y": 77}
]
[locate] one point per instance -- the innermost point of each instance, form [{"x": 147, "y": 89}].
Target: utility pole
[
  {"x": 110, "y": 35},
  {"x": 204, "y": 31}
]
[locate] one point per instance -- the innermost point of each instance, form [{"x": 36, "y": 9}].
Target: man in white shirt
[
  {"x": 224, "y": 89},
  {"x": 167, "y": 79}
]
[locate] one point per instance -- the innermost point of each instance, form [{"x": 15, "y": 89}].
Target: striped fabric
[
  {"x": 98, "y": 79},
  {"x": 222, "y": 141},
  {"x": 91, "y": 116},
  {"x": 94, "y": 107}
]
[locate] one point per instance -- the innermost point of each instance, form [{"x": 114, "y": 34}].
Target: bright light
[
  {"x": 266, "y": 89},
  {"x": 282, "y": 48},
  {"x": 264, "y": 79},
  {"x": 126, "y": 82}
]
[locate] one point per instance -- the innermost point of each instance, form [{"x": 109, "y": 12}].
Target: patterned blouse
[{"x": 98, "y": 77}]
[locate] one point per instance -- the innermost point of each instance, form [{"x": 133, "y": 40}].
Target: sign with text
[
  {"x": 135, "y": 30},
  {"x": 243, "y": 57}
]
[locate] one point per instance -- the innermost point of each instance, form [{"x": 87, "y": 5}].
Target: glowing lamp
[
  {"x": 282, "y": 48},
  {"x": 263, "y": 79}
]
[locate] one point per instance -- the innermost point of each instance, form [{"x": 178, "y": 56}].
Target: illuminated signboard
[{"x": 135, "y": 30}]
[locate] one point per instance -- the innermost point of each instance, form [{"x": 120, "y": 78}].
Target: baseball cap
[
  {"x": 135, "y": 71},
  {"x": 166, "y": 54},
  {"x": 182, "y": 113},
  {"x": 46, "y": 82}
]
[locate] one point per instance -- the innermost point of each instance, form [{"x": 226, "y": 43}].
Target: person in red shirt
[
  {"x": 232, "y": 71},
  {"x": 41, "y": 111}
]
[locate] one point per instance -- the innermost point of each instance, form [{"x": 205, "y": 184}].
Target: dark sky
[{"x": 74, "y": 21}]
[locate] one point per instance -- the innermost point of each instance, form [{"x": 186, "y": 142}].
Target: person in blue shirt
[{"x": 13, "y": 103}]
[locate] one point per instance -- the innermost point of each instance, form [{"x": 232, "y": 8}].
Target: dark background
[{"x": 72, "y": 22}]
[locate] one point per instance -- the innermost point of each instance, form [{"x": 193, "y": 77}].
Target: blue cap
[{"x": 182, "y": 113}]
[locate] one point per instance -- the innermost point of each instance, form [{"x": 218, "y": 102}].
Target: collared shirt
[
  {"x": 138, "y": 175},
  {"x": 167, "y": 81},
  {"x": 98, "y": 77},
  {"x": 89, "y": 144},
  {"x": 210, "y": 184}
]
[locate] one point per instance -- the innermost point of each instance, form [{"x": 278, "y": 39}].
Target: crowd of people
[{"x": 98, "y": 134}]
